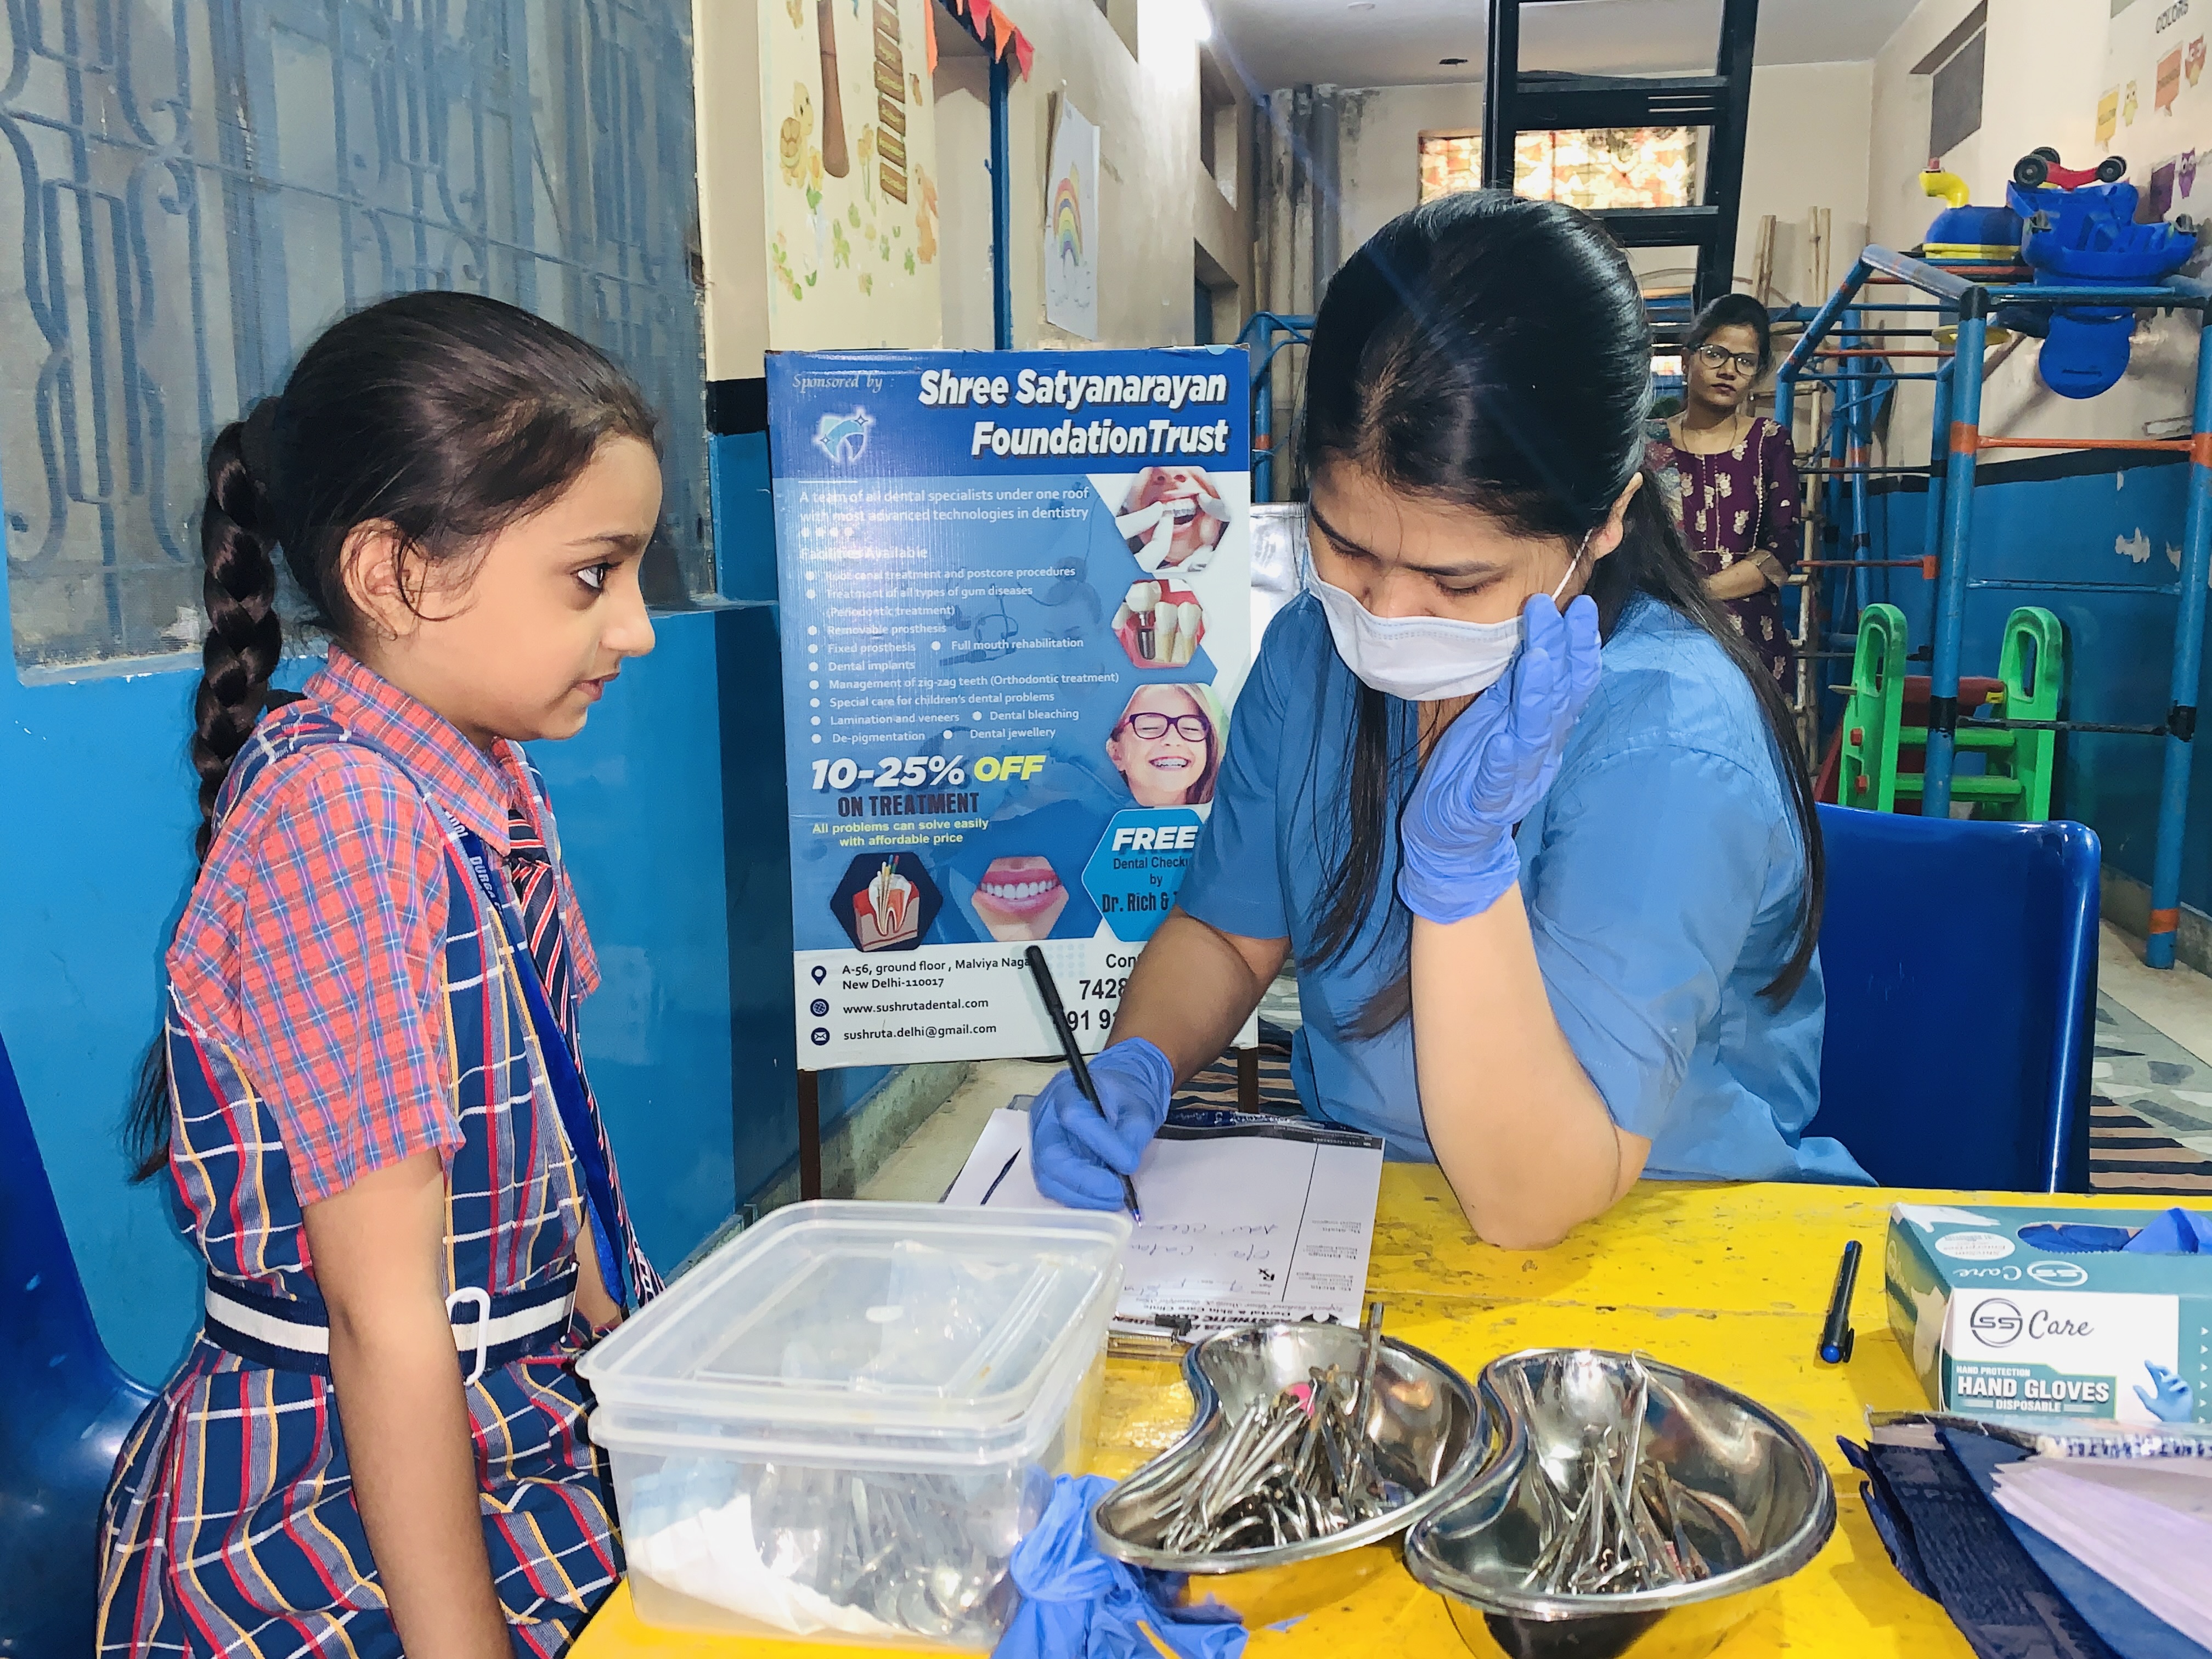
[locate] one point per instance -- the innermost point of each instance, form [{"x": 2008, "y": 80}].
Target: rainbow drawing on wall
[
  {"x": 1073, "y": 228},
  {"x": 1067, "y": 217}
]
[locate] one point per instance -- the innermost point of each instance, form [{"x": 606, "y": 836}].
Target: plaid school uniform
[{"x": 342, "y": 996}]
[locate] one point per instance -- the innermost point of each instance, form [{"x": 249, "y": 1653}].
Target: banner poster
[{"x": 1016, "y": 612}]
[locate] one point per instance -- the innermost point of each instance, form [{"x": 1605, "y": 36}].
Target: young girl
[
  {"x": 369, "y": 1096},
  {"x": 1521, "y": 805}
]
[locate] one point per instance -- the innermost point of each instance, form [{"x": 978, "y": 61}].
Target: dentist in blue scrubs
[{"x": 1504, "y": 784}]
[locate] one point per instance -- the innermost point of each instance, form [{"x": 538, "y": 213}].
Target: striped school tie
[{"x": 530, "y": 866}]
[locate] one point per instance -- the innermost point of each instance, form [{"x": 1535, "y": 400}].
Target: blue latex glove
[
  {"x": 1078, "y": 1604},
  {"x": 1493, "y": 765},
  {"x": 2168, "y": 1398},
  {"x": 1079, "y": 1151},
  {"x": 2178, "y": 1232}
]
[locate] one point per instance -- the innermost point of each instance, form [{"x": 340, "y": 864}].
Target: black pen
[
  {"x": 1041, "y": 972},
  {"x": 1837, "y": 1336}
]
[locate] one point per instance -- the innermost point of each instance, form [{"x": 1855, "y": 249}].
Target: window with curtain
[
  {"x": 1598, "y": 168},
  {"x": 200, "y": 185}
]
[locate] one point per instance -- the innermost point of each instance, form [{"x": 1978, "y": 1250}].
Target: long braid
[{"x": 245, "y": 640}]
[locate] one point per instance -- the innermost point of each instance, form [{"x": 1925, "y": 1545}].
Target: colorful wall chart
[
  {"x": 850, "y": 132},
  {"x": 1070, "y": 226},
  {"x": 2155, "y": 107},
  {"x": 1016, "y": 612}
]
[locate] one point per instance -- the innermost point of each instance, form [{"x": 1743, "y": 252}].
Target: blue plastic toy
[
  {"x": 1963, "y": 233},
  {"x": 2086, "y": 236}
]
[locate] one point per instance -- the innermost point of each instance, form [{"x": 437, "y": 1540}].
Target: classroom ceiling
[{"x": 1384, "y": 42}]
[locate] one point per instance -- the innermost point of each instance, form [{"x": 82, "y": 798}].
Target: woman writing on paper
[{"x": 1505, "y": 784}]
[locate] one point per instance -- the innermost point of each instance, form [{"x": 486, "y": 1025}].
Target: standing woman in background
[{"x": 1728, "y": 477}]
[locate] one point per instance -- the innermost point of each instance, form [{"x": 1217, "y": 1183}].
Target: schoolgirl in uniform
[{"x": 369, "y": 1096}]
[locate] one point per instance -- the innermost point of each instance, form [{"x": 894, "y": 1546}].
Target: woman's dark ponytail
[{"x": 245, "y": 639}]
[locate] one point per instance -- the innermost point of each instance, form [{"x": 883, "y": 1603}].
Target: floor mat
[
  {"x": 1215, "y": 1087},
  {"x": 2150, "y": 1109}
]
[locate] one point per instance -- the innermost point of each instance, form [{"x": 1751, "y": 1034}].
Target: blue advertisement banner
[{"x": 1016, "y": 612}]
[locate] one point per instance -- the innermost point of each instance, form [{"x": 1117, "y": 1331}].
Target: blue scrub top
[{"x": 1660, "y": 874}]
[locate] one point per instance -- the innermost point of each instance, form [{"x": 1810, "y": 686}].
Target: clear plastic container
[{"x": 839, "y": 1425}]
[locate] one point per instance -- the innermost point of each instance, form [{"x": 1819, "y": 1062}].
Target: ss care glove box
[{"x": 2046, "y": 1312}]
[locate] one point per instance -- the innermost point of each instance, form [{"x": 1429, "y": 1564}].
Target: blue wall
[
  {"x": 2032, "y": 527},
  {"x": 97, "y": 846},
  {"x": 756, "y": 815}
]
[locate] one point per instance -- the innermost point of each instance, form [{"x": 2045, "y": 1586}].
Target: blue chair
[
  {"x": 65, "y": 1408},
  {"x": 1961, "y": 968}
]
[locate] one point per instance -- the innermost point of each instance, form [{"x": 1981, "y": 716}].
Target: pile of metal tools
[
  {"x": 1615, "y": 1522},
  {"x": 1300, "y": 1465},
  {"x": 919, "y": 1551}
]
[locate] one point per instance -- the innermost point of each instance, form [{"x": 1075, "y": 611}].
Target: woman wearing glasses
[
  {"x": 1505, "y": 785},
  {"x": 1167, "y": 746},
  {"x": 1728, "y": 476}
]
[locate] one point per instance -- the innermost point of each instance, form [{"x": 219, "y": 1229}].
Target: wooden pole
[{"x": 809, "y": 1134}]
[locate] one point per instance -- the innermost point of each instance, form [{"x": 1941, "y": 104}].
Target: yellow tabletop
[{"x": 1731, "y": 1281}]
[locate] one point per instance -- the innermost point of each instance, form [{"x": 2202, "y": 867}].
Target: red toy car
[{"x": 2040, "y": 166}]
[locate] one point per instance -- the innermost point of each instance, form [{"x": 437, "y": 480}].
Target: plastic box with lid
[{"x": 838, "y": 1424}]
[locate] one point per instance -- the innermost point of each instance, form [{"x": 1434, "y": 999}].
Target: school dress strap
[
  {"x": 568, "y": 971},
  {"x": 556, "y": 1065}
]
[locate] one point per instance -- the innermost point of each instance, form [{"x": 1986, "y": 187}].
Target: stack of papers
[
  {"x": 2143, "y": 1523},
  {"x": 1247, "y": 1220}
]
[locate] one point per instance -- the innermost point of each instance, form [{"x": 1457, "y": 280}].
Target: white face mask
[{"x": 1423, "y": 659}]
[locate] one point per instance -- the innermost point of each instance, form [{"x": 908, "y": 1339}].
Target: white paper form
[{"x": 1242, "y": 1224}]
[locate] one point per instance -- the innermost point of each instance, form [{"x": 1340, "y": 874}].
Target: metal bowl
[
  {"x": 1432, "y": 1437},
  {"x": 1765, "y": 1507}
]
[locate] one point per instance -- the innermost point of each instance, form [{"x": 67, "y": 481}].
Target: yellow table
[{"x": 1731, "y": 1281}]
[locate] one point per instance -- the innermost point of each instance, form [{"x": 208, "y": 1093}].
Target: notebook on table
[{"x": 1247, "y": 1220}]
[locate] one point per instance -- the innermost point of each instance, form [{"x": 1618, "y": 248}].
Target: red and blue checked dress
[{"x": 333, "y": 1007}]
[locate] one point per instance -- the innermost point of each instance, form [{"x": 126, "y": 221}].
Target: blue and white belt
[{"x": 289, "y": 1334}]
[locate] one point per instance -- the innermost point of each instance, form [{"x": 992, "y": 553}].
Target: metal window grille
[{"x": 201, "y": 185}]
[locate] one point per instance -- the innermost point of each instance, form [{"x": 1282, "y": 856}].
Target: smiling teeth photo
[{"x": 1020, "y": 890}]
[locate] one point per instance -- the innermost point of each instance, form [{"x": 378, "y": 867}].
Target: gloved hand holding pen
[
  {"x": 1493, "y": 764},
  {"x": 1079, "y": 1152}
]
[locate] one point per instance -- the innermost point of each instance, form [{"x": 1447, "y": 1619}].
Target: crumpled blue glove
[
  {"x": 1079, "y": 1604},
  {"x": 2178, "y": 1232},
  {"x": 1079, "y": 1151},
  {"x": 2169, "y": 1398},
  {"x": 1492, "y": 766}
]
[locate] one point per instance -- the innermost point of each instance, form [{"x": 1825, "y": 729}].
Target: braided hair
[
  {"x": 444, "y": 417},
  {"x": 245, "y": 639}
]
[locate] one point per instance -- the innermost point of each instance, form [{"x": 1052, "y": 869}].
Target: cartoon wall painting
[
  {"x": 1070, "y": 226},
  {"x": 835, "y": 161},
  {"x": 2154, "y": 57},
  {"x": 890, "y": 102},
  {"x": 853, "y": 238}
]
